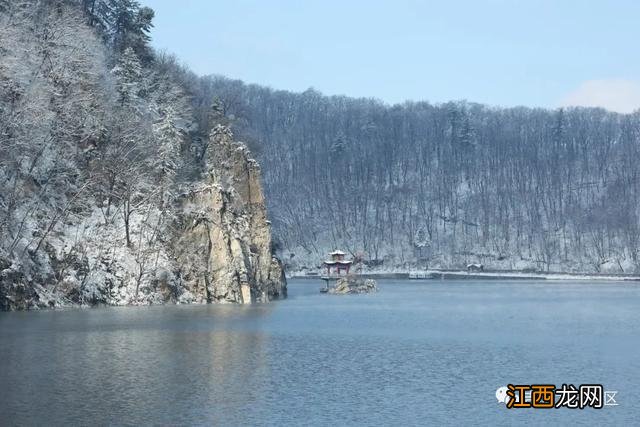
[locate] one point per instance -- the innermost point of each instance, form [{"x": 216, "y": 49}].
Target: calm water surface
[{"x": 418, "y": 352}]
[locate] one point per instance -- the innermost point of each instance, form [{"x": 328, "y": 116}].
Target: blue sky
[{"x": 499, "y": 52}]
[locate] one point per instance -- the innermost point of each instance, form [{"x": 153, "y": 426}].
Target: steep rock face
[
  {"x": 213, "y": 245},
  {"x": 100, "y": 151},
  {"x": 223, "y": 238}
]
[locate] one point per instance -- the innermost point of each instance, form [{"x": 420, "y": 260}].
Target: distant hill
[{"x": 442, "y": 185}]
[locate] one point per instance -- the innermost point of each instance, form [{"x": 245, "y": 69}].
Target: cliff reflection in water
[
  {"x": 406, "y": 355},
  {"x": 199, "y": 364}
]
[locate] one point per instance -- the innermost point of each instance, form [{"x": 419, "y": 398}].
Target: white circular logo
[{"x": 501, "y": 395}]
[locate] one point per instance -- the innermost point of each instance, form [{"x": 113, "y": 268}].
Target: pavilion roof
[{"x": 333, "y": 262}]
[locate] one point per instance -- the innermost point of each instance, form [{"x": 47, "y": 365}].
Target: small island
[
  {"x": 338, "y": 279},
  {"x": 354, "y": 285}
]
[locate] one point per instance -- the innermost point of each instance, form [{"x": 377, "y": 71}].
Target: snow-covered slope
[{"x": 111, "y": 190}]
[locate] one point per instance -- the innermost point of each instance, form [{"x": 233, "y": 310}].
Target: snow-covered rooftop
[{"x": 333, "y": 262}]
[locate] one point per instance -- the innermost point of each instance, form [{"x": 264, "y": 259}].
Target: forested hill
[
  {"x": 97, "y": 128},
  {"x": 417, "y": 184},
  {"x": 113, "y": 190}
]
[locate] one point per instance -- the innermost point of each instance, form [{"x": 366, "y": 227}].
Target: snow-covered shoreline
[
  {"x": 498, "y": 275},
  {"x": 487, "y": 275}
]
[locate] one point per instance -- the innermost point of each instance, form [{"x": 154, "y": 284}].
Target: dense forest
[
  {"x": 90, "y": 119},
  {"x": 95, "y": 123},
  {"x": 101, "y": 151},
  {"x": 416, "y": 184}
]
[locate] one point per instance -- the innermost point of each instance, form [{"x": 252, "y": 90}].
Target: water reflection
[
  {"x": 182, "y": 364},
  {"x": 405, "y": 355}
]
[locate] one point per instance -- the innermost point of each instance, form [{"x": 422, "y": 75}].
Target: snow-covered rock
[
  {"x": 354, "y": 285},
  {"x": 214, "y": 245},
  {"x": 225, "y": 243}
]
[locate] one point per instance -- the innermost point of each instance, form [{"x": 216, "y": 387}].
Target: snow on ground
[
  {"x": 95, "y": 265},
  {"x": 521, "y": 275}
]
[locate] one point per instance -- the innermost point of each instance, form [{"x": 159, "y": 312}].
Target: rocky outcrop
[
  {"x": 223, "y": 239},
  {"x": 354, "y": 285},
  {"x": 213, "y": 244},
  {"x": 104, "y": 196}
]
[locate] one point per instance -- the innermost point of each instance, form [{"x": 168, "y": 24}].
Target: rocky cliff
[
  {"x": 212, "y": 243},
  {"x": 223, "y": 239},
  {"x": 116, "y": 187}
]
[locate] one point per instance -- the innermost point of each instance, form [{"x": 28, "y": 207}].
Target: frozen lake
[{"x": 417, "y": 352}]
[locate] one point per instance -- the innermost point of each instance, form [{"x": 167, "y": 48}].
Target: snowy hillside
[
  {"x": 101, "y": 154},
  {"x": 416, "y": 185}
]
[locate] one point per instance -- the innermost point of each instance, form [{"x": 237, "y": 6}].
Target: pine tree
[
  {"x": 339, "y": 144},
  {"x": 166, "y": 162},
  {"x": 168, "y": 136},
  {"x": 131, "y": 27},
  {"x": 128, "y": 75},
  {"x": 100, "y": 14}
]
